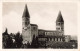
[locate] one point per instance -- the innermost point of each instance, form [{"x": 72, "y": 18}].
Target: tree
[
  {"x": 13, "y": 39},
  {"x": 7, "y": 40},
  {"x": 28, "y": 45},
  {"x": 34, "y": 43},
  {"x": 18, "y": 40}
]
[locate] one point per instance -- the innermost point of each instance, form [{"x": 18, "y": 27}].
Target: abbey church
[{"x": 30, "y": 30}]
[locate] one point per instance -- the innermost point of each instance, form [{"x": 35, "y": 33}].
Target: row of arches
[{"x": 55, "y": 39}]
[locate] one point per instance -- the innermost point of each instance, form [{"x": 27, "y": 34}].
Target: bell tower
[
  {"x": 26, "y": 34},
  {"x": 25, "y": 18},
  {"x": 60, "y": 23}
]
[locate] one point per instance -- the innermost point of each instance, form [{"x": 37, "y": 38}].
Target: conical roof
[
  {"x": 59, "y": 18},
  {"x": 26, "y": 13}
]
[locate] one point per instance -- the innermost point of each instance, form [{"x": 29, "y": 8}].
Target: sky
[{"x": 44, "y": 14}]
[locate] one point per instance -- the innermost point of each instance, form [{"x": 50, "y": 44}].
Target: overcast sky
[{"x": 44, "y": 14}]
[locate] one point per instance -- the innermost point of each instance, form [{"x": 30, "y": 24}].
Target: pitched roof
[
  {"x": 26, "y": 13},
  {"x": 33, "y": 24},
  {"x": 59, "y": 18}
]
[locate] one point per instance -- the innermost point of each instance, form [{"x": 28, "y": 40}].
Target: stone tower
[
  {"x": 25, "y": 18},
  {"x": 26, "y": 34},
  {"x": 60, "y": 23}
]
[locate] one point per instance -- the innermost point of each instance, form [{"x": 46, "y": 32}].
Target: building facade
[{"x": 29, "y": 30}]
